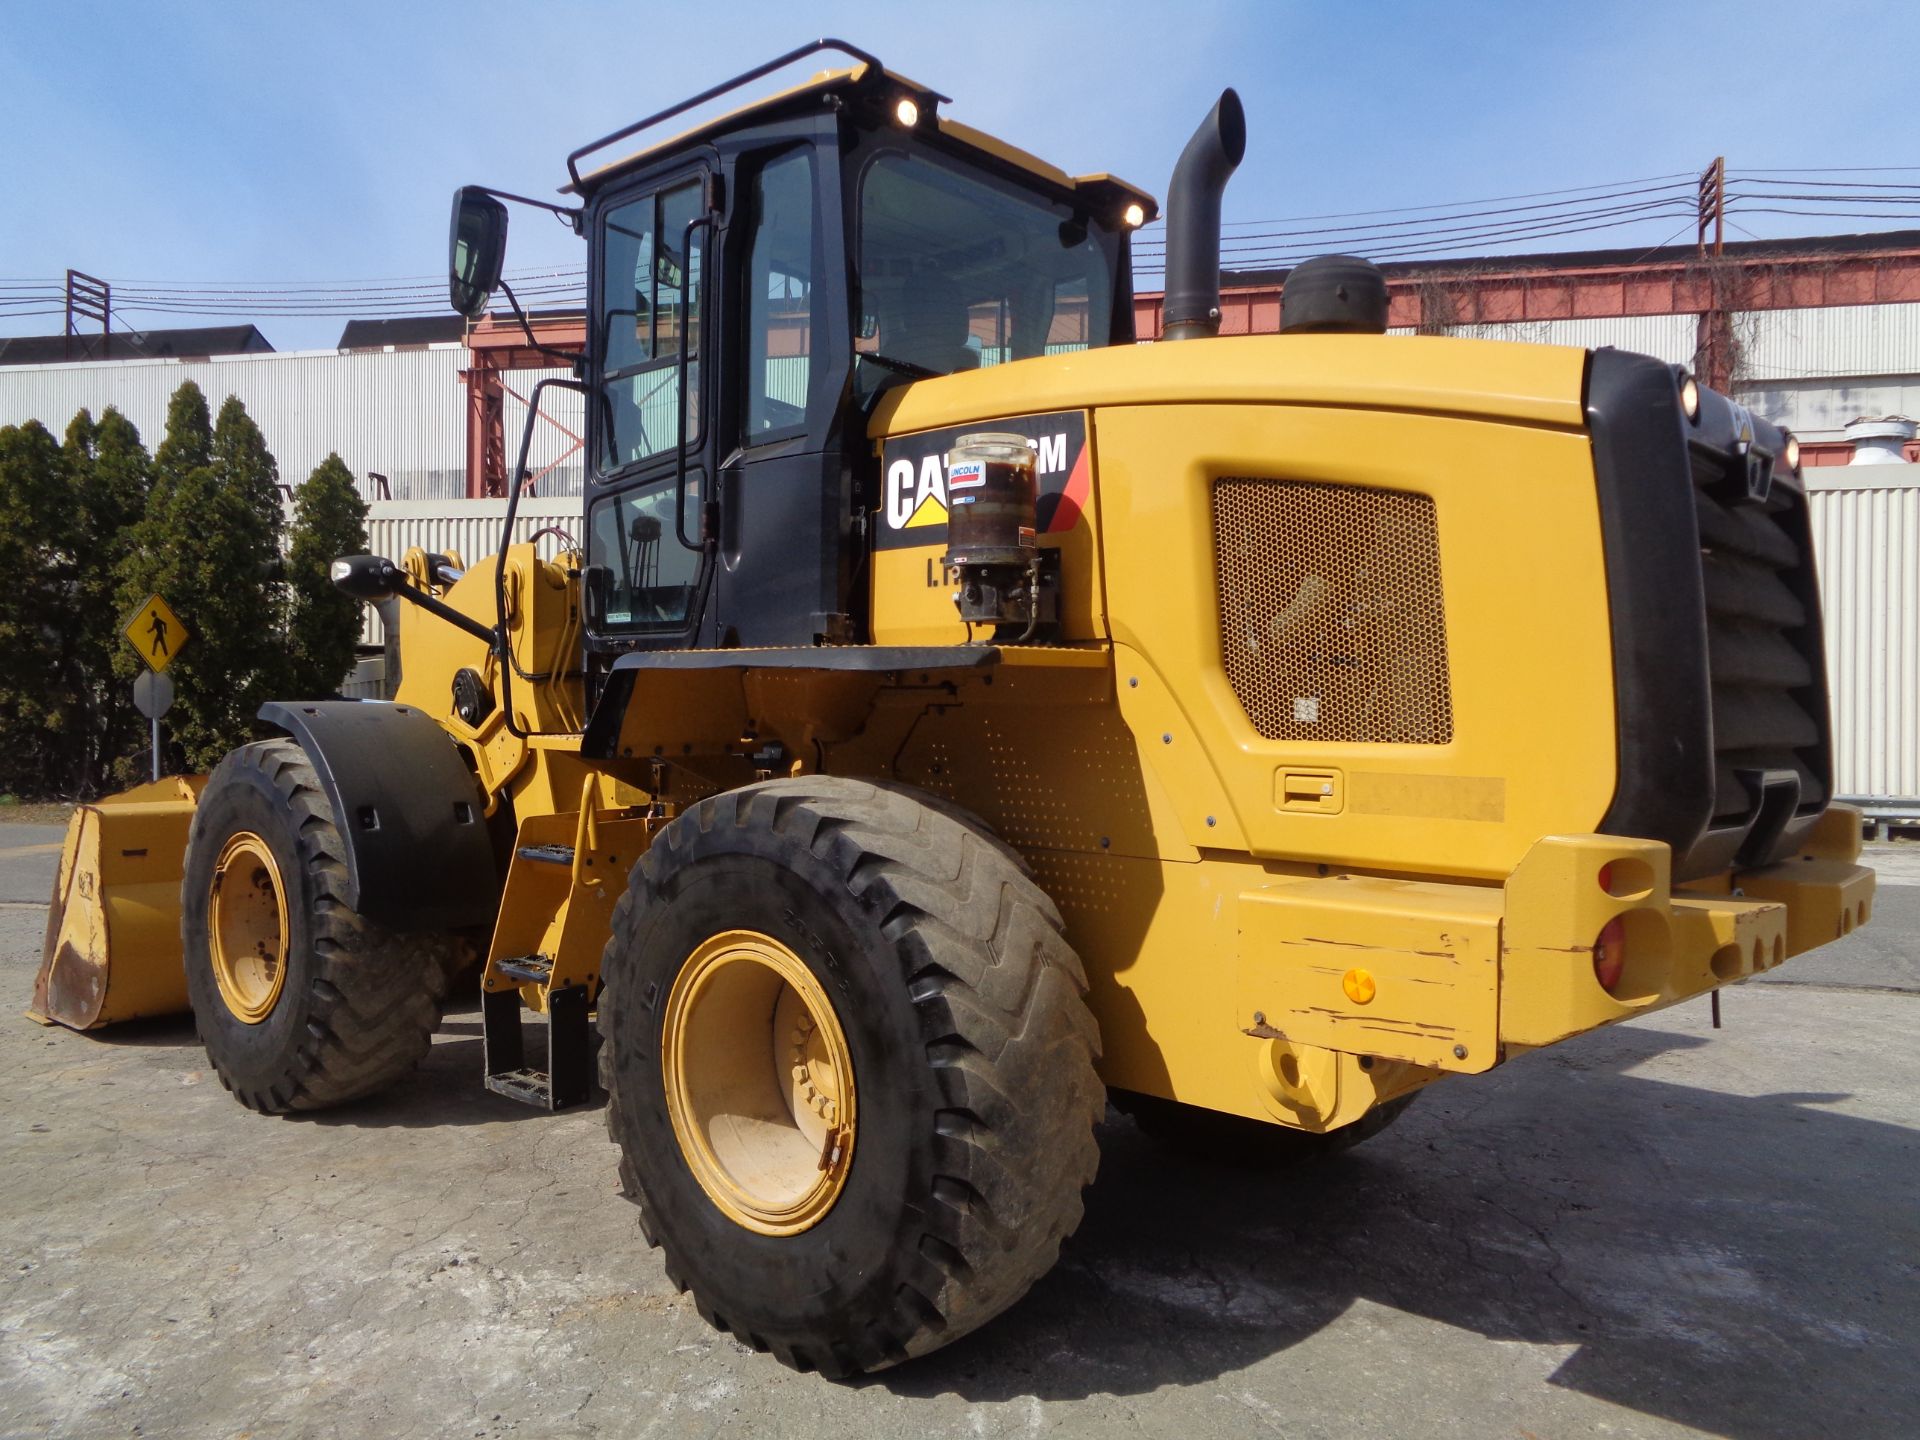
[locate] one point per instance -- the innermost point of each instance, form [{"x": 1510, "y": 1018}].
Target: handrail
[
  {"x": 698, "y": 222},
  {"x": 826, "y": 43},
  {"x": 502, "y": 640}
]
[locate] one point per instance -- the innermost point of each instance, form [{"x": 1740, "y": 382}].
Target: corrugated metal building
[
  {"x": 1866, "y": 521},
  {"x": 400, "y": 412}
]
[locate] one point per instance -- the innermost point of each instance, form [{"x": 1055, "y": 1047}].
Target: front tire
[
  {"x": 301, "y": 1003},
  {"x": 948, "y": 1090}
]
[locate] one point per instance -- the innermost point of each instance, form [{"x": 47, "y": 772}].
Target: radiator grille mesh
[{"x": 1332, "y": 622}]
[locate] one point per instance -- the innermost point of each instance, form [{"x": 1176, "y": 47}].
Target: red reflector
[{"x": 1610, "y": 954}]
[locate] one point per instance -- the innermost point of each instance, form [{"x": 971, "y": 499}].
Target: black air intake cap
[{"x": 1334, "y": 294}]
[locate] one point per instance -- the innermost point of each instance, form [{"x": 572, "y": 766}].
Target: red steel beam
[
  {"x": 1485, "y": 292},
  {"x": 497, "y": 346}
]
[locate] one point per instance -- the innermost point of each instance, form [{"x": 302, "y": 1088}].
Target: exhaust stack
[{"x": 1191, "y": 310}]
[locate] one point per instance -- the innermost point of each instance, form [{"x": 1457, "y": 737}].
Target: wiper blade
[{"x": 905, "y": 367}]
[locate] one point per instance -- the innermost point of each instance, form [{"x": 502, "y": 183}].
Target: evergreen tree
[
  {"x": 122, "y": 473},
  {"x": 37, "y": 541},
  {"x": 107, "y": 468},
  {"x": 210, "y": 544},
  {"x": 188, "y": 444},
  {"x": 323, "y": 625},
  {"x": 77, "y": 699}
]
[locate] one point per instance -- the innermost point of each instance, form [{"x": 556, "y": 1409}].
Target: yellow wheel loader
[{"x": 955, "y": 716}]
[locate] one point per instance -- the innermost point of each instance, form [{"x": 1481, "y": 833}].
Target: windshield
[{"x": 957, "y": 272}]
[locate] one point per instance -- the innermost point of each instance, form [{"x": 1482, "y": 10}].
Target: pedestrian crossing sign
[{"x": 156, "y": 632}]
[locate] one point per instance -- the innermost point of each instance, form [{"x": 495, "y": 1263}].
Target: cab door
[
  {"x": 649, "y": 307},
  {"x": 790, "y": 536}
]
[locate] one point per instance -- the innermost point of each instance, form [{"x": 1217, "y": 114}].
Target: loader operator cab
[{"x": 755, "y": 284}]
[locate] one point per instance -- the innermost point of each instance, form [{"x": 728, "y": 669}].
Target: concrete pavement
[{"x": 1655, "y": 1230}]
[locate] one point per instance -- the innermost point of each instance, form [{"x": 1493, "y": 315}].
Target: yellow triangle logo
[{"x": 930, "y": 512}]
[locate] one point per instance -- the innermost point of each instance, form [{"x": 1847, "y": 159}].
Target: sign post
[
  {"x": 156, "y": 632},
  {"x": 153, "y": 697}
]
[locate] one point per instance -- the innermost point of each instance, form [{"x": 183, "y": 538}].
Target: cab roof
[{"x": 868, "y": 76}]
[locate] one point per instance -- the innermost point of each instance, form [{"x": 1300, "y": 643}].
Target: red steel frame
[
  {"x": 1491, "y": 291},
  {"x": 498, "y": 346}
]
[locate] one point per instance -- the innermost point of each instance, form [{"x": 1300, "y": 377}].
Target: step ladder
[
  {"x": 567, "y": 1077},
  {"x": 566, "y": 873}
]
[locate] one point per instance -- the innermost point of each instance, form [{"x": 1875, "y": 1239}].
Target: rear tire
[
  {"x": 337, "y": 1008},
  {"x": 961, "y": 1009}
]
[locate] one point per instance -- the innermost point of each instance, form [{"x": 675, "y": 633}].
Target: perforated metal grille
[{"x": 1332, "y": 622}]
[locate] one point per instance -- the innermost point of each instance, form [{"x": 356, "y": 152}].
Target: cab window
[
  {"x": 958, "y": 272},
  {"x": 645, "y": 576},
  {"x": 647, "y": 266},
  {"x": 779, "y": 308}
]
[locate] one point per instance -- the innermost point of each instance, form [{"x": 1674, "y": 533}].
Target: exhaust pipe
[{"x": 1191, "y": 308}]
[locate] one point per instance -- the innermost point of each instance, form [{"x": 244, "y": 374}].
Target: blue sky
[{"x": 286, "y": 142}]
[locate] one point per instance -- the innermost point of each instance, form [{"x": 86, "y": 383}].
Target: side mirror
[
  {"x": 366, "y": 577},
  {"x": 476, "y": 246}
]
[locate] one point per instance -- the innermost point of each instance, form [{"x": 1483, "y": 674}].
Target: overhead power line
[
  {"x": 1390, "y": 233},
  {"x": 1458, "y": 204}
]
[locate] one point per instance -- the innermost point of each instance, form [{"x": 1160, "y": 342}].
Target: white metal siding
[
  {"x": 1666, "y": 337},
  {"x": 1842, "y": 340},
  {"x": 399, "y": 412},
  {"x": 1867, "y": 543},
  {"x": 1823, "y": 342},
  {"x": 468, "y": 528},
  {"x": 1822, "y": 409}
]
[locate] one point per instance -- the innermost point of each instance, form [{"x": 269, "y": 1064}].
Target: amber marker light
[{"x": 1610, "y": 954}]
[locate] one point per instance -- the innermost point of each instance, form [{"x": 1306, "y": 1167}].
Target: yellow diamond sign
[{"x": 156, "y": 632}]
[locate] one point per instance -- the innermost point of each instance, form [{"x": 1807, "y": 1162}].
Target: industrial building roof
[
  {"x": 412, "y": 330},
  {"x": 196, "y": 342},
  {"x": 1798, "y": 246}
]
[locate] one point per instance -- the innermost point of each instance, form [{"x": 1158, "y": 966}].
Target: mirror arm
[
  {"x": 699, "y": 222},
  {"x": 526, "y": 329},
  {"x": 574, "y": 215}
]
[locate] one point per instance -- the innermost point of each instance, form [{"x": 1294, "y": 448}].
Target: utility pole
[
  {"x": 1713, "y": 207},
  {"x": 88, "y": 299},
  {"x": 1713, "y": 350}
]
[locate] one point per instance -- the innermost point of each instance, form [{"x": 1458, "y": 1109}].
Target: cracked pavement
[{"x": 1654, "y": 1230}]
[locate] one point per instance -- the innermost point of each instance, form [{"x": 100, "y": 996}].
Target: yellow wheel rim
[
  {"x": 247, "y": 927},
  {"x": 759, "y": 1083}
]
